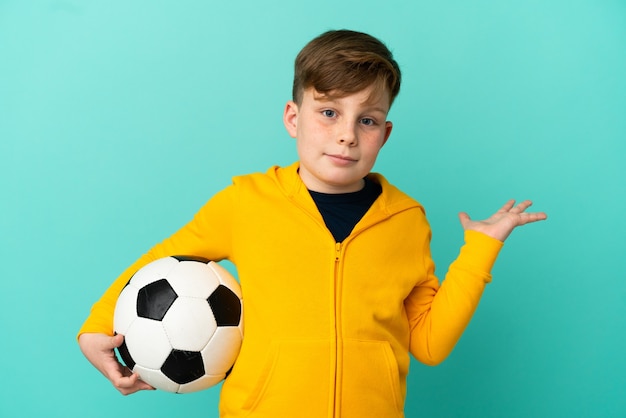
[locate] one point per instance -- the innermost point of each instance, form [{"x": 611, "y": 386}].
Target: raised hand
[
  {"x": 501, "y": 224},
  {"x": 98, "y": 348}
]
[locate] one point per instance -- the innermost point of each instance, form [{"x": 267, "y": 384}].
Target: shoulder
[
  {"x": 394, "y": 198},
  {"x": 276, "y": 177}
]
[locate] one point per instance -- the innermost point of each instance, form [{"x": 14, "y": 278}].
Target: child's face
[{"x": 338, "y": 139}]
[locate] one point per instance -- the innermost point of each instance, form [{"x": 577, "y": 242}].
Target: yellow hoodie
[{"x": 328, "y": 326}]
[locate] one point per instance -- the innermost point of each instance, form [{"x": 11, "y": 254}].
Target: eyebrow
[
  {"x": 377, "y": 109},
  {"x": 325, "y": 98}
]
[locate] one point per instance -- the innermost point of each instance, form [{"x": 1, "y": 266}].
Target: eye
[
  {"x": 368, "y": 121},
  {"x": 329, "y": 113}
]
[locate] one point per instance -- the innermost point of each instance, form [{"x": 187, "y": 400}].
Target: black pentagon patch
[
  {"x": 226, "y": 307},
  {"x": 191, "y": 258},
  {"x": 183, "y": 366},
  {"x": 125, "y": 355},
  {"x": 154, "y": 299}
]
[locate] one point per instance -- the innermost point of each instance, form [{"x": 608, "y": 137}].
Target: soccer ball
[{"x": 181, "y": 318}]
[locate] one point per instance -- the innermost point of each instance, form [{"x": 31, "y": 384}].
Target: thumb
[
  {"x": 116, "y": 341},
  {"x": 464, "y": 218}
]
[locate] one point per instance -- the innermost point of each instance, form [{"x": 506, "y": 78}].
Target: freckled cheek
[{"x": 369, "y": 157}]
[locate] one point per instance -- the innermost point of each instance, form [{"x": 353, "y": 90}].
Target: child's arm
[
  {"x": 439, "y": 314},
  {"x": 98, "y": 348},
  {"x": 207, "y": 235}
]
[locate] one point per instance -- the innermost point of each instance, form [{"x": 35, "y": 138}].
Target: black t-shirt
[{"x": 341, "y": 212}]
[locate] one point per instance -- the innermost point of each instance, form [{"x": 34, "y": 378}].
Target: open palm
[{"x": 504, "y": 221}]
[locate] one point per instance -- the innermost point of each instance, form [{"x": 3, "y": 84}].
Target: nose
[{"x": 347, "y": 135}]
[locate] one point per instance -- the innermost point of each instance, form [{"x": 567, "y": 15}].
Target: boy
[{"x": 334, "y": 261}]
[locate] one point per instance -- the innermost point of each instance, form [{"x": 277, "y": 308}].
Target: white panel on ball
[
  {"x": 204, "y": 382},
  {"x": 193, "y": 279},
  {"x": 147, "y": 341},
  {"x": 223, "y": 342},
  {"x": 189, "y": 324},
  {"x": 125, "y": 310},
  {"x": 226, "y": 278},
  {"x": 154, "y": 271},
  {"x": 157, "y": 379}
]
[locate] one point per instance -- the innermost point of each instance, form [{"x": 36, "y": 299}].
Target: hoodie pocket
[
  {"x": 294, "y": 381},
  {"x": 370, "y": 383}
]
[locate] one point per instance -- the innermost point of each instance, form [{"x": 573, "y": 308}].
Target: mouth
[{"x": 341, "y": 159}]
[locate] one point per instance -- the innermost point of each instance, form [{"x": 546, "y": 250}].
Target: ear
[
  {"x": 388, "y": 128},
  {"x": 290, "y": 118}
]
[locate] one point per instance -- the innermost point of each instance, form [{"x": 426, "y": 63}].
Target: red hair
[{"x": 341, "y": 62}]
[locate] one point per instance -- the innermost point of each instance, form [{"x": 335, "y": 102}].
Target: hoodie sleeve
[
  {"x": 207, "y": 235},
  {"x": 438, "y": 315}
]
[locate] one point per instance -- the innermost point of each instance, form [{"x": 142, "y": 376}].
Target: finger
[
  {"x": 117, "y": 340},
  {"x": 464, "y": 218},
  {"x": 140, "y": 385},
  {"x": 126, "y": 372},
  {"x": 522, "y": 206},
  {"x": 115, "y": 370},
  {"x": 144, "y": 385},
  {"x": 131, "y": 384},
  {"x": 125, "y": 384},
  {"x": 107, "y": 343},
  {"x": 507, "y": 206},
  {"x": 532, "y": 217}
]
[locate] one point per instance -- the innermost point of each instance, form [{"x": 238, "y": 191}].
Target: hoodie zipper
[{"x": 337, "y": 326}]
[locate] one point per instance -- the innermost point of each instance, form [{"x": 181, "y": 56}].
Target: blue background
[{"x": 118, "y": 119}]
